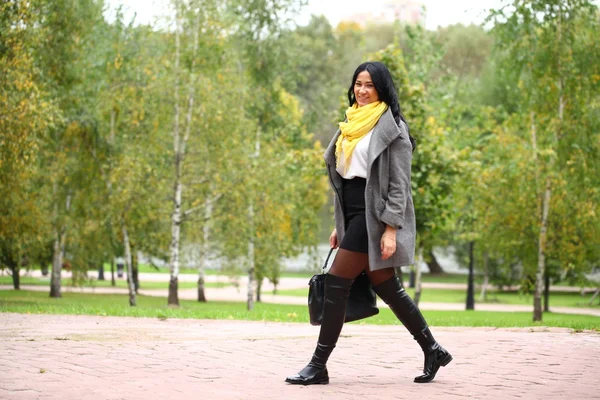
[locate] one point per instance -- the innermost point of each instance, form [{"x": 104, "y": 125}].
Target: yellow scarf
[{"x": 360, "y": 122}]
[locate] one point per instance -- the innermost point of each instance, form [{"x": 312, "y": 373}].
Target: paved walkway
[{"x": 86, "y": 357}]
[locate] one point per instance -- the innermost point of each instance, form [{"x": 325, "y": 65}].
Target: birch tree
[
  {"x": 192, "y": 71},
  {"x": 542, "y": 40}
]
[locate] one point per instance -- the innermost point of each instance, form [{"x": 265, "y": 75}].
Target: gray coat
[{"x": 388, "y": 197}]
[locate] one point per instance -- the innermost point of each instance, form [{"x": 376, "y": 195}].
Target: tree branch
[{"x": 209, "y": 202}]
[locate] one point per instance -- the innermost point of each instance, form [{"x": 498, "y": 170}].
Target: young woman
[{"x": 369, "y": 163}]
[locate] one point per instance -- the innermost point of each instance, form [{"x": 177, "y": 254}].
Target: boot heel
[{"x": 446, "y": 360}]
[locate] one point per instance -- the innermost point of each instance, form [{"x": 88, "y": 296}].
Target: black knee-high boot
[
  {"x": 394, "y": 295},
  {"x": 334, "y": 311}
]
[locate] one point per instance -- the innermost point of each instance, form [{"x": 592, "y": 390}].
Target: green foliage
[{"x": 547, "y": 46}]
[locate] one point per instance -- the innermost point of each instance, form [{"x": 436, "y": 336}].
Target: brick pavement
[{"x": 87, "y": 357}]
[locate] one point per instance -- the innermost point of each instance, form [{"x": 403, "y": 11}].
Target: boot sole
[{"x": 324, "y": 381}]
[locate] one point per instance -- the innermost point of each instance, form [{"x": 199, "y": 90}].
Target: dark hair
[{"x": 384, "y": 85}]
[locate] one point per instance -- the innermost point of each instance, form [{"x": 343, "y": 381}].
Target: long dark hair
[{"x": 384, "y": 85}]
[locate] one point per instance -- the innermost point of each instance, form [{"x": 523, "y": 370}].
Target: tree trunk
[
  {"x": 134, "y": 267},
  {"x": 546, "y": 292},
  {"x": 179, "y": 144},
  {"x": 112, "y": 272},
  {"x": 128, "y": 262},
  {"x": 101, "y": 271},
  {"x": 486, "y": 276},
  {"x": 44, "y": 268},
  {"x": 60, "y": 236},
  {"x": 470, "y": 286},
  {"x": 16, "y": 276},
  {"x": 173, "y": 299},
  {"x": 250, "y": 291},
  {"x": 541, "y": 268},
  {"x": 201, "y": 294},
  {"x": 251, "y": 261},
  {"x": 259, "y": 283},
  {"x": 418, "y": 276},
  {"x": 57, "y": 257},
  {"x": 208, "y": 207},
  {"x": 432, "y": 263},
  {"x": 537, "y": 299},
  {"x": 411, "y": 277}
]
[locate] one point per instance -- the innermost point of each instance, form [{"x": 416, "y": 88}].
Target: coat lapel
[
  {"x": 329, "y": 157},
  {"x": 384, "y": 133},
  {"x": 329, "y": 154}
]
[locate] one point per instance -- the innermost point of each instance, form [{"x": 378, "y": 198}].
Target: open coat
[{"x": 388, "y": 197}]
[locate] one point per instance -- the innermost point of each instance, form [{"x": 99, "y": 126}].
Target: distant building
[{"x": 410, "y": 12}]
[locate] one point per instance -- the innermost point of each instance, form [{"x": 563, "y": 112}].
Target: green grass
[
  {"x": 557, "y": 299},
  {"x": 156, "y": 307},
  {"x": 119, "y": 283}
]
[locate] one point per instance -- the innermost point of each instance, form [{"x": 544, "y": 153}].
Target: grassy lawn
[
  {"x": 558, "y": 299},
  {"x": 155, "y": 307},
  {"x": 119, "y": 283}
]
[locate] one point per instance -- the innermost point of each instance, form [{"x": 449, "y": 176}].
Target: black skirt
[{"x": 353, "y": 196}]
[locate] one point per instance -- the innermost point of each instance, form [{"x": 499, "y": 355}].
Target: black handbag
[{"x": 362, "y": 302}]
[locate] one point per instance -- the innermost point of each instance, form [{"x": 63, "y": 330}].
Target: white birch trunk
[
  {"x": 129, "y": 264},
  {"x": 174, "y": 248},
  {"x": 173, "y": 298},
  {"x": 179, "y": 144},
  {"x": 541, "y": 267},
  {"x": 539, "y": 276},
  {"x": 251, "y": 263}
]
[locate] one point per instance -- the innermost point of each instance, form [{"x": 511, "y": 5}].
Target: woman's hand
[
  {"x": 388, "y": 242},
  {"x": 333, "y": 241}
]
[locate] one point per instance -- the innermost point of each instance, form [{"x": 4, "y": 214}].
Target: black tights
[{"x": 349, "y": 264}]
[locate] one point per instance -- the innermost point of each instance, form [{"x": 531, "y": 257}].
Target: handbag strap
[{"x": 327, "y": 259}]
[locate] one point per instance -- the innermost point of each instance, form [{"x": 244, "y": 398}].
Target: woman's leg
[
  {"x": 346, "y": 267},
  {"x": 393, "y": 294}
]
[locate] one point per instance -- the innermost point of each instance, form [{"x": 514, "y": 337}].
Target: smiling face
[{"x": 364, "y": 90}]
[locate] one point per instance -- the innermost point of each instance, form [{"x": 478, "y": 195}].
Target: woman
[{"x": 368, "y": 162}]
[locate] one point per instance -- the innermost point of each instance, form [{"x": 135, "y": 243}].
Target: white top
[{"x": 358, "y": 161}]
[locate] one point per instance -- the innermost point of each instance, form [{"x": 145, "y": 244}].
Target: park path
[{"x": 91, "y": 357}]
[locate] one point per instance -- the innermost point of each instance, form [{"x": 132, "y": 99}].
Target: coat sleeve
[{"x": 400, "y": 157}]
